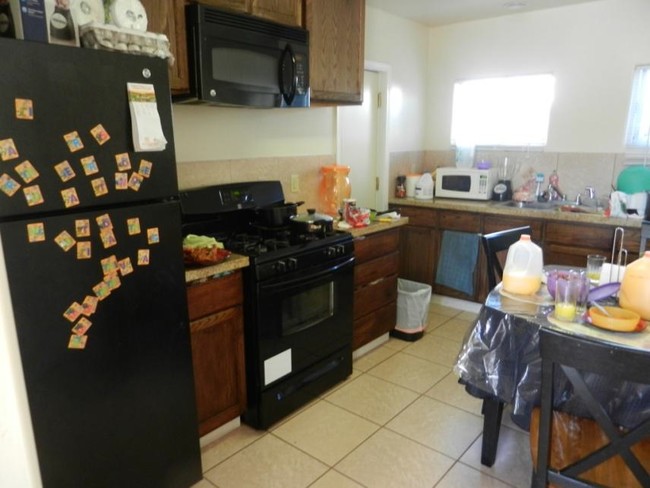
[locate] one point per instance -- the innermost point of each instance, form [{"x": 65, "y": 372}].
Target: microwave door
[
  {"x": 288, "y": 77},
  {"x": 241, "y": 74}
]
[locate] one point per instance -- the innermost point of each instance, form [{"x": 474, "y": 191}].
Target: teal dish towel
[{"x": 457, "y": 260}]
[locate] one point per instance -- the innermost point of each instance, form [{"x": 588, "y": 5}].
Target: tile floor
[{"x": 400, "y": 420}]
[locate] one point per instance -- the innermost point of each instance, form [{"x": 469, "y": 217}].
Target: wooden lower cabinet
[
  {"x": 217, "y": 335},
  {"x": 570, "y": 243},
  {"x": 375, "y": 285},
  {"x": 565, "y": 243}
]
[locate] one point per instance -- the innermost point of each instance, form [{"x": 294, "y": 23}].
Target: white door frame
[{"x": 383, "y": 72}]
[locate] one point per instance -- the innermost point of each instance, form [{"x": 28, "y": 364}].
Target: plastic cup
[
  {"x": 567, "y": 291},
  {"x": 583, "y": 289},
  {"x": 594, "y": 266}
]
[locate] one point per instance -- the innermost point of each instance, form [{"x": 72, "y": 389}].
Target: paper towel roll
[{"x": 411, "y": 182}]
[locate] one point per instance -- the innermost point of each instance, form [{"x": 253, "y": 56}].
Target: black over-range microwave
[{"x": 240, "y": 60}]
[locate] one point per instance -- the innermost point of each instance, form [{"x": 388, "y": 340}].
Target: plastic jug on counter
[
  {"x": 522, "y": 273},
  {"x": 424, "y": 187},
  {"x": 334, "y": 187},
  {"x": 635, "y": 287}
]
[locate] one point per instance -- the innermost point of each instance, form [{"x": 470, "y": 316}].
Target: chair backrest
[
  {"x": 645, "y": 235},
  {"x": 495, "y": 243},
  {"x": 575, "y": 357}
]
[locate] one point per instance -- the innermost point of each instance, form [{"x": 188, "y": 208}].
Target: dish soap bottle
[{"x": 522, "y": 273}]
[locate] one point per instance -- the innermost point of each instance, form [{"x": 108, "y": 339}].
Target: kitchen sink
[
  {"x": 561, "y": 206},
  {"x": 531, "y": 205}
]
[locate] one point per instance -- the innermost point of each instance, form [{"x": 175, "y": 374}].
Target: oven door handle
[{"x": 284, "y": 284}]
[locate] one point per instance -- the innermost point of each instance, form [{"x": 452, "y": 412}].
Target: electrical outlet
[{"x": 295, "y": 184}]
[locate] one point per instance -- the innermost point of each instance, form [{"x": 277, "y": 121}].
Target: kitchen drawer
[
  {"x": 575, "y": 234},
  {"x": 460, "y": 221},
  {"x": 495, "y": 224},
  {"x": 374, "y": 296},
  {"x": 372, "y": 246},
  {"x": 214, "y": 295},
  {"x": 375, "y": 324},
  {"x": 418, "y": 216},
  {"x": 376, "y": 269}
]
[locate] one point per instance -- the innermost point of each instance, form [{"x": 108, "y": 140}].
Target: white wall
[
  {"x": 203, "y": 133},
  {"x": 403, "y": 45},
  {"x": 591, "y": 48}
]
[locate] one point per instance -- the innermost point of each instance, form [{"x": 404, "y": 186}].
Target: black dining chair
[
  {"x": 496, "y": 243},
  {"x": 492, "y": 409},
  {"x": 574, "y": 357}
]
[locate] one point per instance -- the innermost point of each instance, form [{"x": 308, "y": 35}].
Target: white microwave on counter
[{"x": 466, "y": 183}]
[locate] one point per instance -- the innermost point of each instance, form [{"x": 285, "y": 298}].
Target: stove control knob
[
  {"x": 280, "y": 267},
  {"x": 330, "y": 252},
  {"x": 340, "y": 250},
  {"x": 292, "y": 264}
]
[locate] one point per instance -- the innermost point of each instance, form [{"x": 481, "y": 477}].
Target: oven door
[{"x": 302, "y": 318}]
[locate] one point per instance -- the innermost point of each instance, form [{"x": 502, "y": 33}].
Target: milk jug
[
  {"x": 635, "y": 287},
  {"x": 522, "y": 273}
]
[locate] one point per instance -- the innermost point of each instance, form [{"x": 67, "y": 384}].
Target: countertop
[
  {"x": 377, "y": 227},
  {"x": 497, "y": 208},
  {"x": 232, "y": 263},
  {"x": 236, "y": 261}
]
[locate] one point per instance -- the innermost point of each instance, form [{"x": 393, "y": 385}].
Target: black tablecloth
[{"x": 500, "y": 356}]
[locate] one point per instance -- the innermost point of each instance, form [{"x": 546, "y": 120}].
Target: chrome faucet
[{"x": 555, "y": 193}]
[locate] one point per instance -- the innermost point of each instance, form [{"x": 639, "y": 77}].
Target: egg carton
[{"x": 112, "y": 38}]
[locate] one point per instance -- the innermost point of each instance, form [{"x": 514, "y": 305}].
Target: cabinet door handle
[{"x": 377, "y": 281}]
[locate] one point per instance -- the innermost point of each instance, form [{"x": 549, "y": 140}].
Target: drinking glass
[
  {"x": 583, "y": 289},
  {"x": 594, "y": 266},
  {"x": 567, "y": 291}
]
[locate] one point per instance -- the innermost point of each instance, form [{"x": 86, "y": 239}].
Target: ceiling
[{"x": 442, "y": 12}]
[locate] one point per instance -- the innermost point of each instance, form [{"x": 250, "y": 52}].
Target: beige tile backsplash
[
  {"x": 197, "y": 174},
  {"x": 575, "y": 170}
]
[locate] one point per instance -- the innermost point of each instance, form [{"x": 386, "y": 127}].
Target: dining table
[{"x": 500, "y": 360}]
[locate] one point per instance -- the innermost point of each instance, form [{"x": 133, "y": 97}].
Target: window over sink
[
  {"x": 637, "y": 135},
  {"x": 503, "y": 111}
]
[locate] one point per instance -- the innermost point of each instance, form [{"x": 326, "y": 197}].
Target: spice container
[{"x": 400, "y": 187}]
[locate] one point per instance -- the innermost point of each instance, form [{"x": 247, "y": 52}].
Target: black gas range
[{"x": 298, "y": 293}]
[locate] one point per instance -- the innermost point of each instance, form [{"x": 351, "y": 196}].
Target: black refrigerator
[{"x": 90, "y": 232}]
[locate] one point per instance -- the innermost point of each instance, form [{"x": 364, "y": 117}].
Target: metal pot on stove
[
  {"x": 277, "y": 215},
  {"x": 312, "y": 223}
]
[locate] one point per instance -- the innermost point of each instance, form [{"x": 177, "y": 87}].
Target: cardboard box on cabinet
[{"x": 48, "y": 21}]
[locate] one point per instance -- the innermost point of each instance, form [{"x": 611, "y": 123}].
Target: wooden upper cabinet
[
  {"x": 168, "y": 17},
  {"x": 236, "y": 5},
  {"x": 283, "y": 11},
  {"x": 336, "y": 50},
  {"x": 287, "y": 12}
]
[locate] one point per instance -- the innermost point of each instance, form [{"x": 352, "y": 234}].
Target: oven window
[
  {"x": 307, "y": 308},
  {"x": 246, "y": 67}
]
